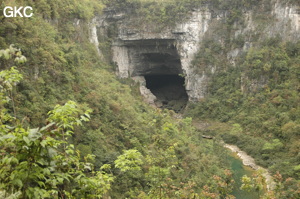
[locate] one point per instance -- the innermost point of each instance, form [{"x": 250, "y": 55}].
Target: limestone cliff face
[
  {"x": 139, "y": 51},
  {"x": 287, "y": 21},
  {"x": 179, "y": 43}
]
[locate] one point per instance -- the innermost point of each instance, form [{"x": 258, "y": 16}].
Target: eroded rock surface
[{"x": 141, "y": 50}]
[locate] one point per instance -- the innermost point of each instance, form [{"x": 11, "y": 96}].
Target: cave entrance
[
  {"x": 158, "y": 61},
  {"x": 169, "y": 91}
]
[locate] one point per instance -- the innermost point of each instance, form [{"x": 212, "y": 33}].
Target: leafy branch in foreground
[{"x": 39, "y": 163}]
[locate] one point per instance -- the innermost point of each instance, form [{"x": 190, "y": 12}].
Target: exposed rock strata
[{"x": 148, "y": 96}]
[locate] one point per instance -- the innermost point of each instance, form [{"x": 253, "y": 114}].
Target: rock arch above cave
[{"x": 145, "y": 57}]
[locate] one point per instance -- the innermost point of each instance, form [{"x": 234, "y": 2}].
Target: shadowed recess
[{"x": 169, "y": 90}]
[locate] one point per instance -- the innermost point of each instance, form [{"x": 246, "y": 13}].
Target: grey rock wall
[{"x": 134, "y": 50}]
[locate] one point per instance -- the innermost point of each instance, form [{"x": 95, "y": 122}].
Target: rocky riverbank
[{"x": 250, "y": 162}]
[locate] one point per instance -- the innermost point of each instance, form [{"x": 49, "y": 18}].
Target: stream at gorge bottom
[{"x": 239, "y": 170}]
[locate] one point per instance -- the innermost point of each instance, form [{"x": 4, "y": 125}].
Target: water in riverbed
[{"x": 238, "y": 171}]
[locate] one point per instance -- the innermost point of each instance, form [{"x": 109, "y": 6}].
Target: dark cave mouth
[
  {"x": 169, "y": 91},
  {"x": 159, "y": 62}
]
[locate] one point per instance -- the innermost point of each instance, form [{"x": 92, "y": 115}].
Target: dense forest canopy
[{"x": 69, "y": 128}]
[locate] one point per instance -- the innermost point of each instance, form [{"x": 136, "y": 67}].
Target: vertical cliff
[{"x": 139, "y": 49}]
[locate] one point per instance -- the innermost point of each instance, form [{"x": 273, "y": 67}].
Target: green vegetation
[
  {"x": 127, "y": 149},
  {"x": 258, "y": 98},
  {"x": 261, "y": 96},
  {"x": 159, "y": 14},
  {"x": 120, "y": 147},
  {"x": 42, "y": 163},
  {"x": 156, "y": 14},
  {"x": 39, "y": 162}
]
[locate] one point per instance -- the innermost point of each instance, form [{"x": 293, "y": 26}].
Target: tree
[
  {"x": 8, "y": 79},
  {"x": 40, "y": 162},
  {"x": 130, "y": 160},
  {"x": 255, "y": 184}
]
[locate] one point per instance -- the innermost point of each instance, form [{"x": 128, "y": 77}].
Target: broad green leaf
[{"x": 26, "y": 140}]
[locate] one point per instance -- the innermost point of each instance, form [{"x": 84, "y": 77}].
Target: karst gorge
[{"x": 191, "y": 99}]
